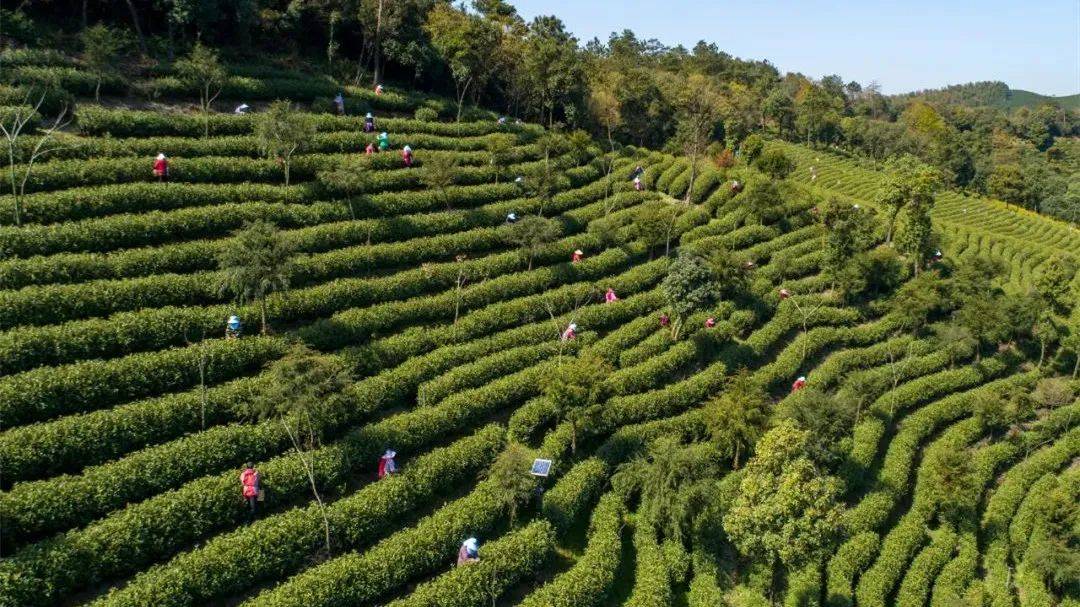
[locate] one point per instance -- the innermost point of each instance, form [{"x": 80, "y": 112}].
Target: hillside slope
[{"x": 1023, "y": 240}]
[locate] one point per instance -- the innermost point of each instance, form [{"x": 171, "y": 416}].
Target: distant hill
[
  {"x": 993, "y": 94},
  {"x": 1020, "y": 98}
]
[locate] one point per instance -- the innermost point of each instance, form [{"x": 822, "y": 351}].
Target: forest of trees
[{"x": 625, "y": 90}]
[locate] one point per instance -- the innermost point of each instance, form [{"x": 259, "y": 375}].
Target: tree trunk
[
  {"x": 1042, "y": 353},
  {"x": 262, "y": 312},
  {"x": 377, "y": 53},
  {"x": 610, "y": 167},
  {"x": 1076, "y": 365},
  {"x": 738, "y": 449},
  {"x": 138, "y": 28},
  {"x": 892, "y": 224},
  {"x": 202, "y": 386},
  {"x": 461, "y": 97},
  {"x": 206, "y": 113},
  {"x": 11, "y": 170},
  {"x": 573, "y": 436},
  {"x": 97, "y": 90},
  {"x": 171, "y": 49},
  {"x": 309, "y": 469},
  {"x": 693, "y": 175},
  {"x": 84, "y": 21}
]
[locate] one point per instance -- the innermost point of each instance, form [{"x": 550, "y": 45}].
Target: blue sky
[{"x": 1029, "y": 44}]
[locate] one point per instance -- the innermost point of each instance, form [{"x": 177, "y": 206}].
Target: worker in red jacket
[
  {"x": 406, "y": 156},
  {"x": 710, "y": 322},
  {"x": 577, "y": 256},
  {"x": 799, "y": 384},
  {"x": 161, "y": 167}
]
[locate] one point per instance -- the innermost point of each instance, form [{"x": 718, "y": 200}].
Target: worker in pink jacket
[
  {"x": 469, "y": 552},
  {"x": 387, "y": 466},
  {"x": 249, "y": 485},
  {"x": 570, "y": 332},
  {"x": 610, "y": 296}
]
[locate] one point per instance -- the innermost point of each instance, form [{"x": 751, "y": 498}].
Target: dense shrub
[
  {"x": 94, "y": 120},
  {"x": 611, "y": 345},
  {"x": 248, "y": 88},
  {"x": 652, "y": 582},
  {"x": 867, "y": 434},
  {"x": 589, "y": 581},
  {"x": 200, "y": 256},
  {"x": 486, "y": 369},
  {"x": 76, "y": 441},
  {"x": 207, "y": 451},
  {"x": 804, "y": 586},
  {"x": 210, "y": 503},
  {"x": 574, "y": 492},
  {"x": 387, "y": 174},
  {"x": 916, "y": 585},
  {"x": 358, "y": 324},
  {"x": 70, "y": 79},
  {"x": 503, "y": 563},
  {"x": 155, "y": 328},
  {"x": 852, "y": 557},
  {"x": 426, "y": 114},
  {"x": 247, "y": 146},
  {"x": 51, "y": 391},
  {"x": 1002, "y": 505},
  {"x": 954, "y": 578},
  {"x": 49, "y": 304},
  {"x": 896, "y": 550},
  {"x": 705, "y": 588}
]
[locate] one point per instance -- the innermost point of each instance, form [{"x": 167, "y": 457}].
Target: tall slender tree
[
  {"x": 699, "y": 109},
  {"x": 202, "y": 71},
  {"x": 303, "y": 394},
  {"x": 466, "y": 42},
  {"x": 282, "y": 131},
  {"x": 101, "y": 47},
  {"x": 26, "y": 143}
]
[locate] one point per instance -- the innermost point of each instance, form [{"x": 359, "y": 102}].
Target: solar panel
[{"x": 541, "y": 467}]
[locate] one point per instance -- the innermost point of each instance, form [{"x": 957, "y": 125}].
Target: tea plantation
[{"x": 926, "y": 459}]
